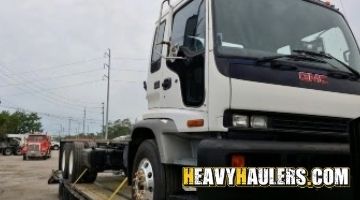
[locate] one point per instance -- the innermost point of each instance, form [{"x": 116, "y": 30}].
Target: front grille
[
  {"x": 308, "y": 123},
  {"x": 34, "y": 147}
]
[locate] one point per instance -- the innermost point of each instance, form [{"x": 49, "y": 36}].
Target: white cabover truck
[{"x": 275, "y": 83}]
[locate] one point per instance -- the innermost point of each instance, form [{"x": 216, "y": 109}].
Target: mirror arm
[
  {"x": 167, "y": 43},
  {"x": 169, "y": 58}
]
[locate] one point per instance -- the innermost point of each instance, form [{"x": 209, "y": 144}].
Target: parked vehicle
[
  {"x": 275, "y": 83},
  {"x": 10, "y": 146},
  {"x": 55, "y": 145},
  {"x": 37, "y": 146}
]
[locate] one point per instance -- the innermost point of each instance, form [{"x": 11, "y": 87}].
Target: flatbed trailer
[
  {"x": 102, "y": 189},
  {"x": 79, "y": 175}
]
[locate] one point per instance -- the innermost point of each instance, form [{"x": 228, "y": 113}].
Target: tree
[
  {"x": 19, "y": 123},
  {"x": 119, "y": 128},
  {"x": 4, "y": 117}
]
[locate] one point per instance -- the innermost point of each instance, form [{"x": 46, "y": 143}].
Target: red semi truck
[{"x": 37, "y": 146}]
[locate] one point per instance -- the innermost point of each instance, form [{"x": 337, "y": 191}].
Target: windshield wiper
[
  {"x": 331, "y": 57},
  {"x": 299, "y": 57}
]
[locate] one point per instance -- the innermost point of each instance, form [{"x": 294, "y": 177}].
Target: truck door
[
  {"x": 154, "y": 91},
  {"x": 184, "y": 80}
]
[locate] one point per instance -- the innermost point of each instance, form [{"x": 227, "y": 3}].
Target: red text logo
[{"x": 313, "y": 78}]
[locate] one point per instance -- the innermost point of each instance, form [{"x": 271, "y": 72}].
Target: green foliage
[
  {"x": 119, "y": 128},
  {"x": 19, "y": 123}
]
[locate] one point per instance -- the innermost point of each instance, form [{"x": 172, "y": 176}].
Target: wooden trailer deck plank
[{"x": 103, "y": 188}]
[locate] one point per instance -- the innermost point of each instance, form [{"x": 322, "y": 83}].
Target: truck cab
[
  {"x": 275, "y": 82},
  {"x": 37, "y": 146}
]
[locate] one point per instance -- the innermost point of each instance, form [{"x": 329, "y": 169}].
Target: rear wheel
[
  {"x": 76, "y": 166},
  {"x": 7, "y": 152},
  {"x": 65, "y": 160}
]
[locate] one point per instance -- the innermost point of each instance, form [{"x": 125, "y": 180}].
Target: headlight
[
  {"x": 258, "y": 122},
  {"x": 240, "y": 121}
]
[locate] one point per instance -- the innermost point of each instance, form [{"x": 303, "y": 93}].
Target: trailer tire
[
  {"x": 65, "y": 160},
  {"x": 7, "y": 152},
  {"x": 78, "y": 166},
  {"x": 147, "y": 156}
]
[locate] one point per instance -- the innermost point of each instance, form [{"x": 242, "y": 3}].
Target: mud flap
[{"x": 355, "y": 156}]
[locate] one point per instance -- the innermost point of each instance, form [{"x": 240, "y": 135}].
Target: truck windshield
[
  {"x": 36, "y": 138},
  {"x": 260, "y": 28}
]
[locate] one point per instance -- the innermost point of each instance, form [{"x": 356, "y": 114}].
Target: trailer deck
[{"x": 102, "y": 189}]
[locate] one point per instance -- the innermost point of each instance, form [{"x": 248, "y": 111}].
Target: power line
[
  {"x": 51, "y": 78},
  {"x": 57, "y": 88},
  {"x": 46, "y": 98},
  {"x": 56, "y": 116},
  {"x": 57, "y": 66}
]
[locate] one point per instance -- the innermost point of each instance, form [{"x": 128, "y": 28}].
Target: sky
[{"x": 52, "y": 56}]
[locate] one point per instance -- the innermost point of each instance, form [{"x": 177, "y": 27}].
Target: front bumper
[
  {"x": 34, "y": 154},
  {"x": 218, "y": 152}
]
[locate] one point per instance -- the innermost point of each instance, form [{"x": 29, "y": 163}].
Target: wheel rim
[
  {"x": 7, "y": 151},
  {"x": 143, "y": 183},
  {"x": 63, "y": 156},
  {"x": 71, "y": 163}
]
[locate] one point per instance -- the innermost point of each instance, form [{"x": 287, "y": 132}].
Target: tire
[
  {"x": 148, "y": 154},
  {"x": 78, "y": 166},
  {"x": 18, "y": 152},
  {"x": 25, "y": 157},
  {"x": 7, "y": 152},
  {"x": 65, "y": 160}
]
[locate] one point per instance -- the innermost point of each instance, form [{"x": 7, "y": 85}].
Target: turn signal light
[
  {"x": 195, "y": 123},
  {"x": 237, "y": 161}
]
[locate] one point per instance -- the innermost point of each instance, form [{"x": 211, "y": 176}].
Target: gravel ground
[{"x": 27, "y": 180}]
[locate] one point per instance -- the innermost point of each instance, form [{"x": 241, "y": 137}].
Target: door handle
[{"x": 166, "y": 84}]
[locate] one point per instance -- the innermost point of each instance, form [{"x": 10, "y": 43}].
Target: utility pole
[
  {"x": 103, "y": 117},
  {"x": 108, "y": 66},
  {"x": 84, "y": 121},
  {"x": 60, "y": 132},
  {"x": 69, "y": 127}
]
